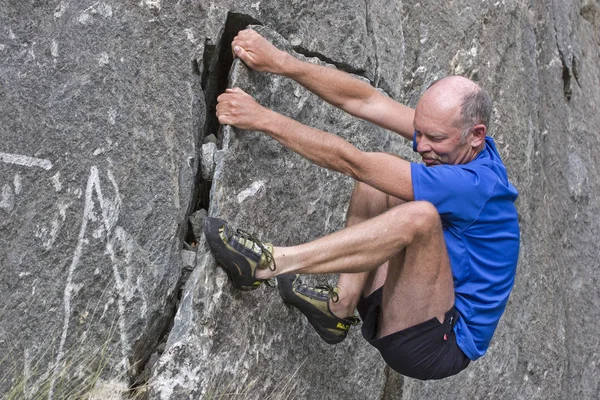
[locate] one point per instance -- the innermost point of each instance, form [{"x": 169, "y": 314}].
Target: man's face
[{"x": 439, "y": 135}]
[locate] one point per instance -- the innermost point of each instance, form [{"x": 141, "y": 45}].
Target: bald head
[{"x": 461, "y": 98}]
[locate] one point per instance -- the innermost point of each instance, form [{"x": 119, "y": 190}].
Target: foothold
[
  {"x": 208, "y": 160},
  {"x": 210, "y": 139},
  {"x": 197, "y": 221},
  {"x": 189, "y": 258}
]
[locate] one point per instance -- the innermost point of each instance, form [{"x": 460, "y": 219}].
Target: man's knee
[
  {"x": 426, "y": 218},
  {"x": 422, "y": 216}
]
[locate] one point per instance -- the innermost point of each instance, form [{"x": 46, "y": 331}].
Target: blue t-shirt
[{"x": 476, "y": 205}]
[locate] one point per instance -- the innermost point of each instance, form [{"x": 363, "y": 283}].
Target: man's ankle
[
  {"x": 264, "y": 273},
  {"x": 345, "y": 305}
]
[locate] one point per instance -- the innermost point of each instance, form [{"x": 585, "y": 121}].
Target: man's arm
[
  {"x": 386, "y": 172},
  {"x": 336, "y": 87}
]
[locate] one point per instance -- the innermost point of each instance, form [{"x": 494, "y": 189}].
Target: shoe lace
[
  {"x": 331, "y": 291},
  {"x": 251, "y": 237},
  {"x": 335, "y": 298}
]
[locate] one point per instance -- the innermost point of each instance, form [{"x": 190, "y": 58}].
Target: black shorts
[{"x": 425, "y": 351}]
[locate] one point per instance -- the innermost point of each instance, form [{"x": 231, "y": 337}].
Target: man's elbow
[{"x": 352, "y": 163}]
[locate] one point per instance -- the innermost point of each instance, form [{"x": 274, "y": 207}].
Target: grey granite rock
[
  {"x": 101, "y": 109},
  {"x": 102, "y": 116},
  {"x": 365, "y": 38},
  {"x": 250, "y": 342},
  {"x": 539, "y": 62}
]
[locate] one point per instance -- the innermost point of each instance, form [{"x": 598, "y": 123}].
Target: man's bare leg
[
  {"x": 418, "y": 285},
  {"x": 366, "y": 202}
]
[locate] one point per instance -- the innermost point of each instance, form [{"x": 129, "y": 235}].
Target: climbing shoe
[
  {"x": 313, "y": 302},
  {"x": 239, "y": 252}
]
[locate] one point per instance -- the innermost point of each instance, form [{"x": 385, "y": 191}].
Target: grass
[{"x": 74, "y": 377}]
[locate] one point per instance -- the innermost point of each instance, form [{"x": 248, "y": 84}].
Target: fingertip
[{"x": 222, "y": 120}]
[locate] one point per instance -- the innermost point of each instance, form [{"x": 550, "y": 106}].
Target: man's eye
[{"x": 436, "y": 138}]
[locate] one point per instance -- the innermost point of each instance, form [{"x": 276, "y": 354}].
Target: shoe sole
[{"x": 211, "y": 232}]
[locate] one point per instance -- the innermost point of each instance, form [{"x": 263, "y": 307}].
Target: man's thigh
[{"x": 419, "y": 284}]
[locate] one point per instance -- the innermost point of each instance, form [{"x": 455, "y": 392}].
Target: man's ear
[{"x": 478, "y": 135}]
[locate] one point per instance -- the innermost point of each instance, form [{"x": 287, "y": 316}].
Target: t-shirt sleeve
[{"x": 458, "y": 192}]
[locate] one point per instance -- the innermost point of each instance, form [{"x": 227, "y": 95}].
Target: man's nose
[{"x": 423, "y": 145}]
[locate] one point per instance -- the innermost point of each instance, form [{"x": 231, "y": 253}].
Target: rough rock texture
[
  {"x": 103, "y": 114},
  {"x": 250, "y": 342},
  {"x": 540, "y": 62},
  {"x": 101, "y": 110}
]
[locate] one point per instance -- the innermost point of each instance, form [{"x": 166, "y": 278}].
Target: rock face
[
  {"x": 101, "y": 111},
  {"x": 250, "y": 342},
  {"x": 107, "y": 108}
]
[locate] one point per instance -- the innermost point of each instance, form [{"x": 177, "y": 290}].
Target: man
[{"x": 429, "y": 252}]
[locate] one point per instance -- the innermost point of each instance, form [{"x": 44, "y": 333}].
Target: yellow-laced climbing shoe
[
  {"x": 239, "y": 253},
  {"x": 313, "y": 302}
]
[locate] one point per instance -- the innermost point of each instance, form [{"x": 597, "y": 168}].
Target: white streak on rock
[
  {"x": 250, "y": 191},
  {"x": 17, "y": 182},
  {"x": 60, "y": 10},
  {"x": 54, "y": 49},
  {"x": 7, "y": 201},
  {"x": 62, "y": 211},
  {"x": 190, "y": 35},
  {"x": 56, "y": 182},
  {"x": 83, "y": 18},
  {"x": 11, "y": 34},
  {"x": 53, "y": 234},
  {"x": 110, "y": 214},
  {"x": 87, "y": 211},
  {"x": 25, "y": 161},
  {"x": 103, "y": 59},
  {"x": 255, "y": 5},
  {"x": 156, "y": 4},
  {"x": 105, "y": 10},
  {"x": 112, "y": 114}
]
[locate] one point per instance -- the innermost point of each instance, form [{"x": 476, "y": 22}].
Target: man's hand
[
  {"x": 257, "y": 52},
  {"x": 236, "y": 107}
]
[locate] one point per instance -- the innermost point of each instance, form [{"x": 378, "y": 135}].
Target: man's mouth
[{"x": 428, "y": 160}]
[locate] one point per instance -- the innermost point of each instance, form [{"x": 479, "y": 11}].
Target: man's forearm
[
  {"x": 338, "y": 88},
  {"x": 388, "y": 173},
  {"x": 322, "y": 148},
  {"x": 334, "y": 86},
  {"x": 350, "y": 94}
]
